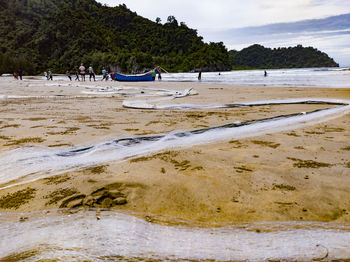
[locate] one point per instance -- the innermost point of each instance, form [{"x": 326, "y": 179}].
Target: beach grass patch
[
  {"x": 299, "y": 163},
  {"x": 59, "y": 145},
  {"x": 333, "y": 129},
  {"x": 314, "y": 133},
  {"x": 237, "y": 144},
  {"x": 23, "y": 256},
  {"x": 35, "y": 118},
  {"x": 5, "y": 138},
  {"x": 152, "y": 122},
  {"x": 55, "y": 180},
  {"x": 13, "y": 126},
  {"x": 131, "y": 129},
  {"x": 59, "y": 194},
  {"x": 347, "y": 165},
  {"x": 242, "y": 169},
  {"x": 17, "y": 199},
  {"x": 283, "y": 187},
  {"x": 25, "y": 140},
  {"x": 98, "y": 169},
  {"x": 266, "y": 143},
  {"x": 197, "y": 168},
  {"x": 293, "y": 134},
  {"x": 346, "y": 148}
]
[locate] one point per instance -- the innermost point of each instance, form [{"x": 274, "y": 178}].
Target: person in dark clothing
[
  {"x": 91, "y": 73},
  {"x": 68, "y": 75},
  {"x": 200, "y": 75},
  {"x": 20, "y": 74},
  {"x": 77, "y": 75},
  {"x": 49, "y": 74}
]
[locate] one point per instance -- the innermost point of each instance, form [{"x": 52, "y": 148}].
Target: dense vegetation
[
  {"x": 60, "y": 34},
  {"x": 257, "y": 56}
]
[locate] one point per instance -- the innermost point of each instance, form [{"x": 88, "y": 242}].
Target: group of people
[
  {"x": 81, "y": 72},
  {"x": 18, "y": 74},
  {"x": 48, "y": 75}
]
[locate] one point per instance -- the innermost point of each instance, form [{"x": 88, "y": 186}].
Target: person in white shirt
[{"x": 82, "y": 72}]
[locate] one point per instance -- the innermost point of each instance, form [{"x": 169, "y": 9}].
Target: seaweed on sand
[{"x": 17, "y": 199}]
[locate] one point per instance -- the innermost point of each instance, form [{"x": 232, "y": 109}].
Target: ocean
[{"x": 304, "y": 77}]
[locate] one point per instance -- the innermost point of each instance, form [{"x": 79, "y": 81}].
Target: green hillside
[{"x": 41, "y": 34}]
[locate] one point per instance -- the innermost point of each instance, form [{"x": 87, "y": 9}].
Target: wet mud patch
[
  {"x": 300, "y": 163},
  {"x": 17, "y": 199}
]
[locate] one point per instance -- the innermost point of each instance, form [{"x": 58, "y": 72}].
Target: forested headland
[
  {"x": 259, "y": 57},
  {"x": 36, "y": 35}
]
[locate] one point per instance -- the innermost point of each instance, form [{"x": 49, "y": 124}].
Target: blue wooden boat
[{"x": 149, "y": 76}]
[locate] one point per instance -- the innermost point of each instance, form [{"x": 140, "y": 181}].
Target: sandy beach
[{"x": 297, "y": 175}]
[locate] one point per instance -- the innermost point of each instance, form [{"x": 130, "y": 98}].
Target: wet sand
[{"x": 298, "y": 175}]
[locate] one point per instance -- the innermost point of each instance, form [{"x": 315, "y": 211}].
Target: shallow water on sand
[
  {"x": 304, "y": 77},
  {"x": 106, "y": 235}
]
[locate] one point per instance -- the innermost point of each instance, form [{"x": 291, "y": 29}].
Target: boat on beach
[{"x": 149, "y": 76}]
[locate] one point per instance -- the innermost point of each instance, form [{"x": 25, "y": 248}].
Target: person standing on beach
[
  {"x": 82, "y": 72},
  {"x": 265, "y": 73},
  {"x": 77, "y": 74},
  {"x": 104, "y": 74},
  {"x": 68, "y": 75},
  {"x": 200, "y": 75},
  {"x": 20, "y": 73},
  {"x": 15, "y": 75},
  {"x": 91, "y": 73},
  {"x": 49, "y": 75}
]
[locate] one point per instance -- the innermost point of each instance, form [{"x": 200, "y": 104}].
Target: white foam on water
[
  {"x": 27, "y": 164},
  {"x": 82, "y": 236}
]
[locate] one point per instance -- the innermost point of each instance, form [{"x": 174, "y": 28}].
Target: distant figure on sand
[
  {"x": 45, "y": 74},
  {"x": 20, "y": 73},
  {"x": 91, "y": 73},
  {"x": 200, "y": 75},
  {"x": 15, "y": 75},
  {"x": 104, "y": 74},
  {"x": 82, "y": 72},
  {"x": 77, "y": 74},
  {"x": 49, "y": 75},
  {"x": 265, "y": 73},
  {"x": 68, "y": 75}
]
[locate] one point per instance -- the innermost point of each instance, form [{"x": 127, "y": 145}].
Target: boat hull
[{"x": 133, "y": 78}]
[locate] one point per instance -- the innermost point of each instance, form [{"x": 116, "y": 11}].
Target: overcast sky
[
  {"x": 221, "y": 14},
  {"x": 208, "y": 16}
]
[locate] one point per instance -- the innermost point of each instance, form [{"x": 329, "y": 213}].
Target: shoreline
[{"x": 259, "y": 179}]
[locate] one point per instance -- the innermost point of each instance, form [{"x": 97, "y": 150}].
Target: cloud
[
  {"x": 219, "y": 14},
  {"x": 330, "y": 35}
]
